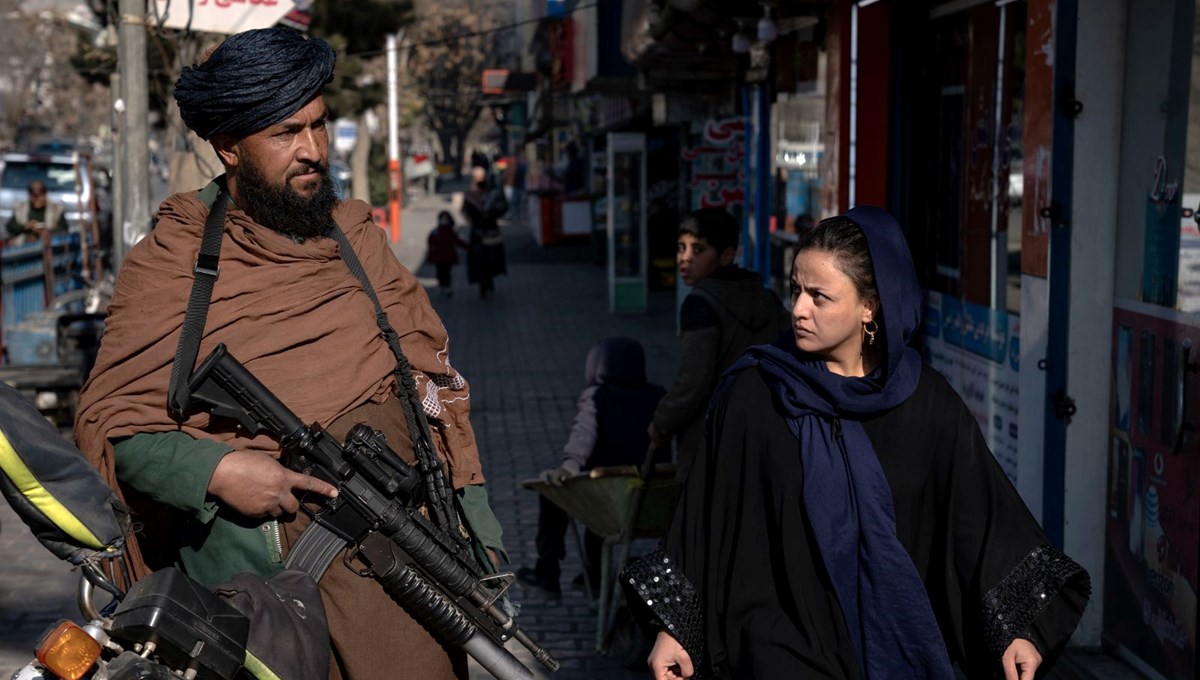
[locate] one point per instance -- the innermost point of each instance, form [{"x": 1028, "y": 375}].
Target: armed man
[{"x": 212, "y": 498}]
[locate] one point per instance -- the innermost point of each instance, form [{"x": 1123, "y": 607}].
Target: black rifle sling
[
  {"x": 208, "y": 265},
  {"x": 410, "y": 401}
]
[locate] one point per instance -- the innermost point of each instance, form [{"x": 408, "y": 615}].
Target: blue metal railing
[{"x": 23, "y": 281}]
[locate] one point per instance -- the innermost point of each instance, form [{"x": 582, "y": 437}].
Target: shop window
[
  {"x": 799, "y": 151},
  {"x": 967, "y": 182},
  {"x": 798, "y": 135}
]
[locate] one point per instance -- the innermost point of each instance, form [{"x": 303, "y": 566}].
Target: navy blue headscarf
[
  {"x": 252, "y": 81},
  {"x": 846, "y": 496}
]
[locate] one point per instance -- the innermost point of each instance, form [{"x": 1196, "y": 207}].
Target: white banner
[{"x": 221, "y": 16}]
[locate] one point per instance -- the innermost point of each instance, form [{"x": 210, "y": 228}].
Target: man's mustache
[{"x": 318, "y": 166}]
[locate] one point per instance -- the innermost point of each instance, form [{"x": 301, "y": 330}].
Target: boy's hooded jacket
[{"x": 722, "y": 316}]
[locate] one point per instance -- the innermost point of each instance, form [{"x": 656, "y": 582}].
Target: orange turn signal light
[{"x": 68, "y": 651}]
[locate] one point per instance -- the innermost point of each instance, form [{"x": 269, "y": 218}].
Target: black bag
[{"x": 289, "y": 634}]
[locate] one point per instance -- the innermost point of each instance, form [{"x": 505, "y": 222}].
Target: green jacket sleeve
[
  {"x": 173, "y": 468},
  {"x": 478, "y": 513}
]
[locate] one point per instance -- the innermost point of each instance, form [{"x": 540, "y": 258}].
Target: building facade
[{"x": 1043, "y": 159}]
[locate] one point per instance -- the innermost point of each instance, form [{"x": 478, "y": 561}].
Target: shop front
[
  {"x": 1153, "y": 500},
  {"x": 954, "y": 137}
]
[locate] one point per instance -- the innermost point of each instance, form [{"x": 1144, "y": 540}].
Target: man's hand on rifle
[{"x": 257, "y": 485}]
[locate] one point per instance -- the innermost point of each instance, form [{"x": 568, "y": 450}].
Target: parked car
[{"x": 66, "y": 177}]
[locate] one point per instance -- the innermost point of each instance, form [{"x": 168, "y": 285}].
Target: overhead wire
[{"x": 475, "y": 34}]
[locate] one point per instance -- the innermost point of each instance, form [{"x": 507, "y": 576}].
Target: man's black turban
[{"x": 252, "y": 81}]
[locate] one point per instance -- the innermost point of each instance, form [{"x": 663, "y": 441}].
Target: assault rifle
[{"x": 426, "y": 564}]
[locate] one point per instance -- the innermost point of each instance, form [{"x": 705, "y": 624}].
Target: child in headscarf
[{"x": 612, "y": 415}]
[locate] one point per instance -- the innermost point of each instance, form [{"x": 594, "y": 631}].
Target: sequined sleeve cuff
[
  {"x": 660, "y": 596},
  {"x": 1012, "y": 606}
]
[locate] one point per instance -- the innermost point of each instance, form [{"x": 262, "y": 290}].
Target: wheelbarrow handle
[
  {"x": 608, "y": 610},
  {"x": 646, "y": 470}
]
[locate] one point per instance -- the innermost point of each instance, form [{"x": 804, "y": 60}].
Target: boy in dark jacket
[
  {"x": 727, "y": 310},
  {"x": 611, "y": 417}
]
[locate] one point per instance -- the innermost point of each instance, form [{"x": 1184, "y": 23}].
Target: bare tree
[
  {"x": 451, "y": 47},
  {"x": 43, "y": 91},
  {"x": 20, "y": 59}
]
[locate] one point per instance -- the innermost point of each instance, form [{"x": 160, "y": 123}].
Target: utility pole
[
  {"x": 134, "y": 139},
  {"x": 118, "y": 160},
  {"x": 395, "y": 176}
]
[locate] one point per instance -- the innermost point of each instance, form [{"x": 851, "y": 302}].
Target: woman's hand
[
  {"x": 668, "y": 660},
  {"x": 1020, "y": 660},
  {"x": 256, "y": 485}
]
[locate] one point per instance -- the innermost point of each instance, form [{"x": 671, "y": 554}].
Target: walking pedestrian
[
  {"x": 444, "y": 243},
  {"x": 846, "y": 519},
  {"x": 483, "y": 205}
]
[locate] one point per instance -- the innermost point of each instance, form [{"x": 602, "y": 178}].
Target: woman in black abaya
[{"x": 847, "y": 520}]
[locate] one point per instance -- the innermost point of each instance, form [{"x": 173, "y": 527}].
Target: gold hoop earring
[{"x": 870, "y": 328}]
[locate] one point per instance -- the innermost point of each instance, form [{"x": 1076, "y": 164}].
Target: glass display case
[{"x": 626, "y": 213}]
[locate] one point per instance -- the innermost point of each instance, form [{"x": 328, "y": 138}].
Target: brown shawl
[{"x": 291, "y": 312}]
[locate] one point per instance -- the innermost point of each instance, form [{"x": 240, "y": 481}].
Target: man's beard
[{"x": 283, "y": 210}]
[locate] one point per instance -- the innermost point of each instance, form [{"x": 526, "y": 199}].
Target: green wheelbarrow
[{"x": 619, "y": 504}]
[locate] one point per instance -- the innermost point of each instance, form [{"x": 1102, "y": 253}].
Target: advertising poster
[
  {"x": 717, "y": 166},
  {"x": 1153, "y": 490},
  {"x": 977, "y": 349}
]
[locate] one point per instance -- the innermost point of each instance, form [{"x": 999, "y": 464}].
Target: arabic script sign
[
  {"x": 718, "y": 165},
  {"x": 222, "y": 16}
]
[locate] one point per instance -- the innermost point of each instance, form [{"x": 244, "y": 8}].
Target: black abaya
[{"x": 763, "y": 605}]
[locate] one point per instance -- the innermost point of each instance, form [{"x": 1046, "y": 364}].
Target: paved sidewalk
[
  {"x": 36, "y": 589},
  {"x": 523, "y": 352}
]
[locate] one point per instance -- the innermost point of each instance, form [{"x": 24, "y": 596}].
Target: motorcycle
[{"x": 165, "y": 626}]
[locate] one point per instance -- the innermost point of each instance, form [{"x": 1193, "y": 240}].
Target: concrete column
[{"x": 1100, "y": 69}]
